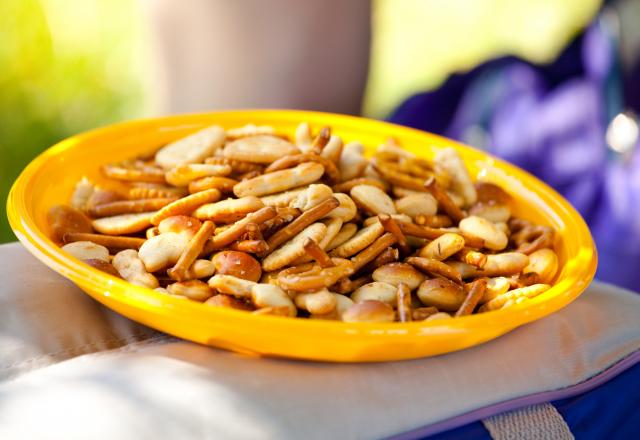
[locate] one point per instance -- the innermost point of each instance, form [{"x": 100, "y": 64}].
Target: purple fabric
[{"x": 551, "y": 121}]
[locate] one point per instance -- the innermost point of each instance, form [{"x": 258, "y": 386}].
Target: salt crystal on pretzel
[
  {"x": 123, "y": 224},
  {"x": 186, "y": 205},
  {"x": 278, "y": 181},
  {"x": 229, "y": 210},
  {"x": 191, "y": 149},
  {"x": 259, "y": 149}
]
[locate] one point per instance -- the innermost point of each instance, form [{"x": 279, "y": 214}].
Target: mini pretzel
[
  {"x": 405, "y": 313},
  {"x": 523, "y": 280},
  {"x": 317, "y": 253},
  {"x": 390, "y": 225},
  {"x": 304, "y": 220},
  {"x": 316, "y": 277},
  {"x": 129, "y": 207},
  {"x": 186, "y": 205},
  {"x": 368, "y": 254},
  {"x": 123, "y": 224},
  {"x": 284, "y": 215},
  {"x": 330, "y": 169},
  {"x": 435, "y": 267},
  {"x": 228, "y": 210},
  {"x": 523, "y": 292},
  {"x": 231, "y": 234},
  {"x": 222, "y": 184},
  {"x": 397, "y": 178},
  {"x": 191, "y": 252},
  {"x": 443, "y": 199},
  {"x": 532, "y": 238},
  {"x": 109, "y": 241},
  {"x": 154, "y": 175},
  {"x": 278, "y": 181},
  {"x": 473, "y": 298}
]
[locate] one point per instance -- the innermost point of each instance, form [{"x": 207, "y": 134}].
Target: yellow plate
[{"x": 50, "y": 179}]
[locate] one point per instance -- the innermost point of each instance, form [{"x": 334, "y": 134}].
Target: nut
[
  {"x": 494, "y": 238},
  {"x": 544, "y": 262},
  {"x": 396, "y": 273},
  {"x": 417, "y": 204},
  {"x": 441, "y": 293},
  {"x": 86, "y": 250},
  {"x": 369, "y": 311},
  {"x": 443, "y": 247},
  {"x": 376, "y": 290},
  {"x": 237, "y": 264},
  {"x": 373, "y": 199}
]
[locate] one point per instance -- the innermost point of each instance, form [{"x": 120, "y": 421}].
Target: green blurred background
[{"x": 71, "y": 65}]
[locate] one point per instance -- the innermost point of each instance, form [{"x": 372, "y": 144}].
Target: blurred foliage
[
  {"x": 71, "y": 65},
  {"x": 65, "y": 66}
]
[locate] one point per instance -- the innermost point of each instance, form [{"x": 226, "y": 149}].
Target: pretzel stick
[
  {"x": 435, "y": 267},
  {"x": 316, "y": 277},
  {"x": 130, "y": 206},
  {"x": 433, "y": 233},
  {"x": 234, "y": 232},
  {"x": 523, "y": 280},
  {"x": 113, "y": 242},
  {"x": 191, "y": 252},
  {"x": 397, "y": 178},
  {"x": 443, "y": 199},
  {"x": 304, "y": 220},
  {"x": 321, "y": 140},
  {"x": 290, "y": 161},
  {"x": 317, "y": 253},
  {"x": 403, "y": 297},
  {"x": 390, "y": 225},
  {"x": 346, "y": 285},
  {"x": 473, "y": 297},
  {"x": 250, "y": 246},
  {"x": 373, "y": 250},
  {"x": 254, "y": 232}
]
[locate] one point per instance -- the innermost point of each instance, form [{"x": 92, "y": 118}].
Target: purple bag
[{"x": 553, "y": 121}]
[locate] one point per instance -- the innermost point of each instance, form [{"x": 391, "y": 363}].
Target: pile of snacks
[{"x": 249, "y": 219}]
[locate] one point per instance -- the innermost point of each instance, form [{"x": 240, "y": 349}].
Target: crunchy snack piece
[
  {"x": 259, "y": 149},
  {"x": 186, "y": 205},
  {"x": 191, "y": 149},
  {"x": 316, "y": 227},
  {"x": 65, "y": 219},
  {"x": 123, "y": 224}
]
